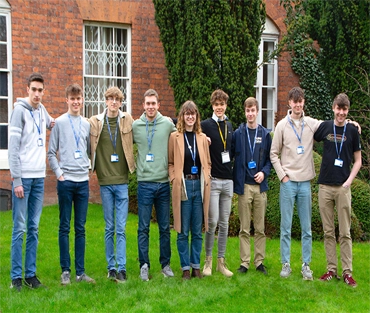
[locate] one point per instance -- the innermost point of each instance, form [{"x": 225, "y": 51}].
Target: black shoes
[
  {"x": 33, "y": 282},
  {"x": 242, "y": 269},
  {"x": 16, "y": 284},
  {"x": 121, "y": 276},
  {"x": 261, "y": 268}
]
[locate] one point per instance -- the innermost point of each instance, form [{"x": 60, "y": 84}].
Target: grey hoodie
[{"x": 27, "y": 126}]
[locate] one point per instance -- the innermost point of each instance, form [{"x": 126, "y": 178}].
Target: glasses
[
  {"x": 34, "y": 89},
  {"x": 190, "y": 113},
  {"x": 111, "y": 99}
]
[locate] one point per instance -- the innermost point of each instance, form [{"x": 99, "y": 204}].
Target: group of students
[{"x": 204, "y": 161}]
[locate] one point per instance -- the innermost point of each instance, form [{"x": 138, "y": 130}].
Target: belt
[{"x": 191, "y": 177}]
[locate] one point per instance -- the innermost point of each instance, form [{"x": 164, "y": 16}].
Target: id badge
[
  {"x": 194, "y": 170},
  {"x": 338, "y": 162},
  {"x": 78, "y": 154},
  {"x": 251, "y": 164},
  {"x": 225, "y": 157},
  {"x": 114, "y": 158},
  {"x": 300, "y": 150},
  {"x": 39, "y": 142},
  {"x": 149, "y": 157}
]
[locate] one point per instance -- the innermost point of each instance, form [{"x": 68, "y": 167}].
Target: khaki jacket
[
  {"x": 125, "y": 126},
  {"x": 175, "y": 169}
]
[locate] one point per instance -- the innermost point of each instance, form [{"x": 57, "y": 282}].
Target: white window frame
[
  {"x": 100, "y": 103},
  {"x": 269, "y": 35},
  {"x": 5, "y": 11}
]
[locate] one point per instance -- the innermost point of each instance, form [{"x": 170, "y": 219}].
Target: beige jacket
[
  {"x": 125, "y": 126},
  {"x": 175, "y": 169}
]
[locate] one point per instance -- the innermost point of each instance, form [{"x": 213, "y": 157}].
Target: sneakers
[
  {"x": 167, "y": 272},
  {"x": 65, "y": 278},
  {"x": 16, "y": 284},
  {"x": 207, "y": 269},
  {"x": 329, "y": 275},
  {"x": 144, "y": 272},
  {"x": 221, "y": 267},
  {"x": 112, "y": 274},
  {"x": 33, "y": 282},
  {"x": 286, "y": 270},
  {"x": 186, "y": 275},
  {"x": 261, "y": 268},
  {"x": 242, "y": 269},
  {"x": 121, "y": 276},
  {"x": 306, "y": 272},
  {"x": 349, "y": 280},
  {"x": 85, "y": 278}
]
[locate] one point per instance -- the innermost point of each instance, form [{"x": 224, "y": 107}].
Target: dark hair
[
  {"x": 250, "y": 102},
  {"x": 151, "y": 92},
  {"x": 73, "y": 90},
  {"x": 296, "y": 94},
  {"x": 35, "y": 77},
  {"x": 114, "y": 92},
  {"x": 342, "y": 101},
  {"x": 188, "y": 106},
  {"x": 219, "y": 94}
]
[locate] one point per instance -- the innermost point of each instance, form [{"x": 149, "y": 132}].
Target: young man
[
  {"x": 113, "y": 158},
  {"x": 341, "y": 145},
  {"x": 27, "y": 138},
  {"x": 219, "y": 130},
  {"x": 251, "y": 152},
  {"x": 151, "y": 133},
  {"x": 69, "y": 147},
  {"x": 291, "y": 156}
]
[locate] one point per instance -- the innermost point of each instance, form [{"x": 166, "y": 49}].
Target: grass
[{"x": 252, "y": 292}]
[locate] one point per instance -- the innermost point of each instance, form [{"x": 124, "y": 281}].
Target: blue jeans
[
  {"x": 191, "y": 220},
  {"x": 78, "y": 193},
  {"x": 115, "y": 207},
  {"x": 299, "y": 192},
  {"x": 26, "y": 214},
  {"x": 149, "y": 193}
]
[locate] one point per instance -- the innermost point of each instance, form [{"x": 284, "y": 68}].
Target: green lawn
[{"x": 252, "y": 292}]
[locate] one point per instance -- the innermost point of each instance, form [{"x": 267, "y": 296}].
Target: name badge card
[
  {"x": 225, "y": 155},
  {"x": 300, "y": 150},
  {"x": 39, "y": 142},
  {"x": 251, "y": 165},
  {"x": 78, "y": 154},
  {"x": 114, "y": 158},
  {"x": 149, "y": 157},
  {"x": 338, "y": 162},
  {"x": 194, "y": 170}
]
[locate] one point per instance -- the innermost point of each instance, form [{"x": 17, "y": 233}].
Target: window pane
[
  {"x": 3, "y": 84},
  {"x": 3, "y": 111},
  {"x": 3, "y": 137},
  {"x": 3, "y": 57},
  {"x": 268, "y": 74},
  {"x": 2, "y": 28}
]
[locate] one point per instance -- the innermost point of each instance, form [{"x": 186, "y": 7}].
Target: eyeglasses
[
  {"x": 34, "y": 89},
  {"x": 113, "y": 99},
  {"x": 190, "y": 113}
]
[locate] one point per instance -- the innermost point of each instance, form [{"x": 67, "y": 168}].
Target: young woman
[{"x": 189, "y": 165}]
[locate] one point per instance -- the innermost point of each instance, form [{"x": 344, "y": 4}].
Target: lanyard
[
  {"x": 335, "y": 139},
  {"x": 114, "y": 142},
  {"x": 222, "y": 137},
  {"x": 291, "y": 124},
  {"x": 193, "y": 155},
  {"x": 150, "y": 138},
  {"x": 38, "y": 126},
  {"x": 249, "y": 141},
  {"x": 77, "y": 138}
]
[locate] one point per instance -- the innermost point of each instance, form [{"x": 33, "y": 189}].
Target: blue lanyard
[
  {"x": 150, "y": 138},
  {"x": 114, "y": 142},
  {"x": 193, "y": 154},
  {"x": 77, "y": 138},
  {"x": 38, "y": 126},
  {"x": 249, "y": 141},
  {"x": 335, "y": 139},
  {"x": 291, "y": 124}
]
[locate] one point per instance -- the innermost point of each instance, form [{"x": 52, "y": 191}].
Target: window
[
  {"x": 5, "y": 81},
  {"x": 266, "y": 84},
  {"x": 107, "y": 63}
]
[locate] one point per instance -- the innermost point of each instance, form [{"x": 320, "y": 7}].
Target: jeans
[
  {"x": 191, "y": 220},
  {"x": 299, "y": 192},
  {"x": 115, "y": 207},
  {"x": 26, "y": 214},
  {"x": 219, "y": 213},
  {"x": 78, "y": 193},
  {"x": 149, "y": 193}
]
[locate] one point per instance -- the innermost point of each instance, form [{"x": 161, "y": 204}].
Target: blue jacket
[{"x": 240, "y": 162}]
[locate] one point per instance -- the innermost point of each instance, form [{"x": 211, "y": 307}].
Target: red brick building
[{"x": 99, "y": 43}]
